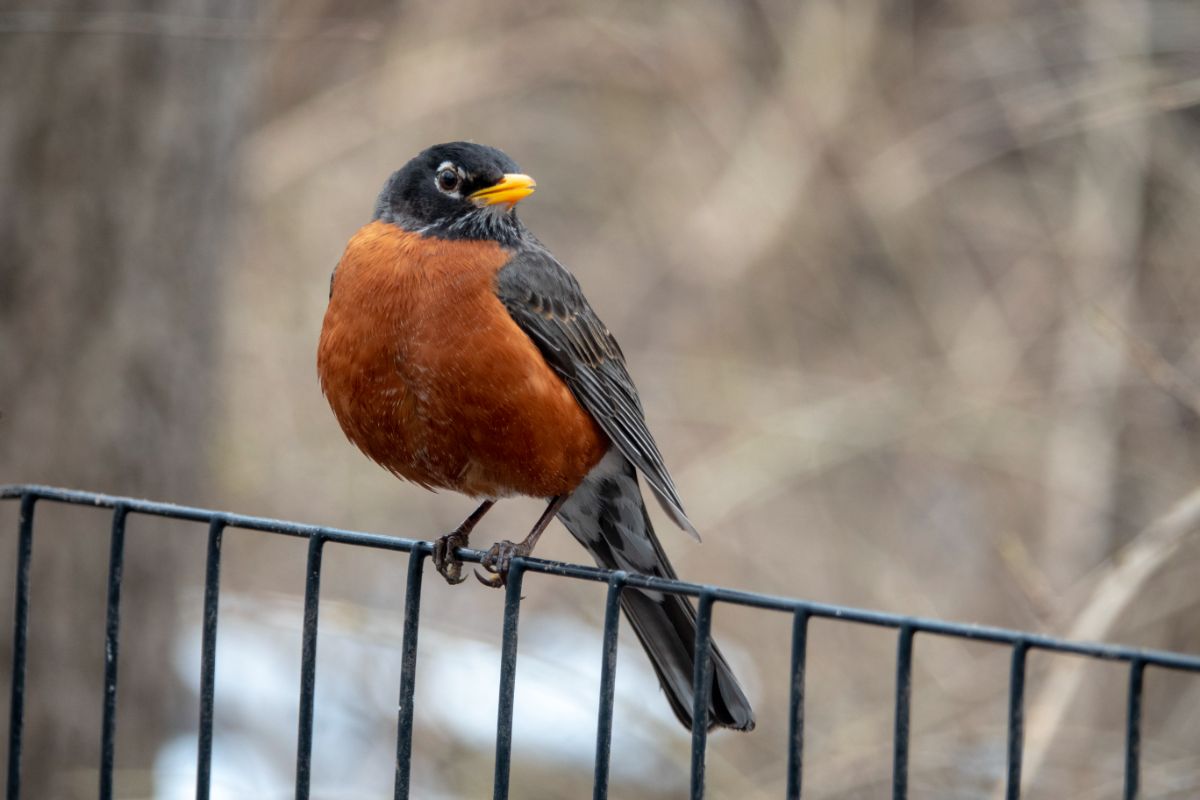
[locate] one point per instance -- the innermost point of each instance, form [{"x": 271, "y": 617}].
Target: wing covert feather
[{"x": 546, "y": 302}]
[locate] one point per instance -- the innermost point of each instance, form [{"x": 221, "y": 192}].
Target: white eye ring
[{"x": 448, "y": 178}]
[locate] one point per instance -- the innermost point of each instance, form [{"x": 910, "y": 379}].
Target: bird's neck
[{"x": 480, "y": 224}]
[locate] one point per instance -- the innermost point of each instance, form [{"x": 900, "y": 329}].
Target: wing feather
[{"x": 547, "y": 304}]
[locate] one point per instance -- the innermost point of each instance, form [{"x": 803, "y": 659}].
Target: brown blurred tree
[{"x": 116, "y": 151}]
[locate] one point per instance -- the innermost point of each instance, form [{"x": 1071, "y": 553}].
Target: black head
[{"x": 457, "y": 190}]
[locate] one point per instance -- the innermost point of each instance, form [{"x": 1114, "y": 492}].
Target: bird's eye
[{"x": 447, "y": 180}]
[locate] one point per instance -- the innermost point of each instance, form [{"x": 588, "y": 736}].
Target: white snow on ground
[{"x": 257, "y": 689}]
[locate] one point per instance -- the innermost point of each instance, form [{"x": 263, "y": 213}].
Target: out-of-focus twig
[
  {"x": 183, "y": 26},
  {"x": 798, "y": 108},
  {"x": 1119, "y": 584},
  {"x": 1025, "y": 572},
  {"x": 1158, "y": 370},
  {"x": 1100, "y": 263}
]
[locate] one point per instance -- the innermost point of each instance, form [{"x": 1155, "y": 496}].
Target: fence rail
[{"x": 802, "y": 612}]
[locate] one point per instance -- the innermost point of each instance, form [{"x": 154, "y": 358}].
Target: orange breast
[{"x": 428, "y": 374}]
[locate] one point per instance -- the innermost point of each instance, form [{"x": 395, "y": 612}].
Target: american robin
[{"x": 459, "y": 354}]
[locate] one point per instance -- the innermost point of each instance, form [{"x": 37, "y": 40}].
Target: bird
[{"x": 458, "y": 353}]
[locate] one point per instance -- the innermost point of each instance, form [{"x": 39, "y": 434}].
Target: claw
[
  {"x": 494, "y": 582},
  {"x": 447, "y": 564},
  {"x": 497, "y": 560},
  {"x": 453, "y": 573}
]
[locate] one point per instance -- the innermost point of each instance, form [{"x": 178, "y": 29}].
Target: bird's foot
[
  {"x": 449, "y": 566},
  {"x": 497, "y": 561}
]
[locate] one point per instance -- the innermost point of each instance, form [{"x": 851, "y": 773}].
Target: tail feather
[{"x": 608, "y": 517}]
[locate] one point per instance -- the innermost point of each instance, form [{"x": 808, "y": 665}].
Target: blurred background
[{"x": 909, "y": 289}]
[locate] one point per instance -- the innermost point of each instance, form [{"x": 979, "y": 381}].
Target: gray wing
[{"x": 547, "y": 304}]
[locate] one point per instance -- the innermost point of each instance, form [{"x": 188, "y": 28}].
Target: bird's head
[{"x": 457, "y": 190}]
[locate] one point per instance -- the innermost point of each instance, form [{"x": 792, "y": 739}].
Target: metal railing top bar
[{"x": 984, "y": 633}]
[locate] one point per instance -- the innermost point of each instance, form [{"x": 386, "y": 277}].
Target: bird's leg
[
  {"x": 447, "y": 563},
  {"x": 501, "y": 554}
]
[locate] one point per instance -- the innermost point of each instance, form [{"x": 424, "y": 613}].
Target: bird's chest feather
[{"x": 429, "y": 375}]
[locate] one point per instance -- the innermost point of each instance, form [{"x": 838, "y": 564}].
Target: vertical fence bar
[
  {"x": 903, "y": 705},
  {"x": 608, "y": 679},
  {"x": 508, "y": 678},
  {"x": 308, "y": 665},
  {"x": 16, "y": 706},
  {"x": 701, "y": 691},
  {"x": 208, "y": 657},
  {"x": 1133, "y": 729},
  {"x": 796, "y": 705},
  {"x": 112, "y": 630},
  {"x": 1016, "y": 720},
  {"x": 408, "y": 671}
]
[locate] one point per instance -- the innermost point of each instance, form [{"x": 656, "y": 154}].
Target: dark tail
[{"x": 606, "y": 514}]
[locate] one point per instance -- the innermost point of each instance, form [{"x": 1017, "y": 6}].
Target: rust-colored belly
[{"x": 429, "y": 376}]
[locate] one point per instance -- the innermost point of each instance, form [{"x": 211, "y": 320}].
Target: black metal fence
[{"x": 802, "y": 611}]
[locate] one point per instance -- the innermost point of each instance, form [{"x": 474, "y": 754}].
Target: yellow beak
[{"x": 511, "y": 189}]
